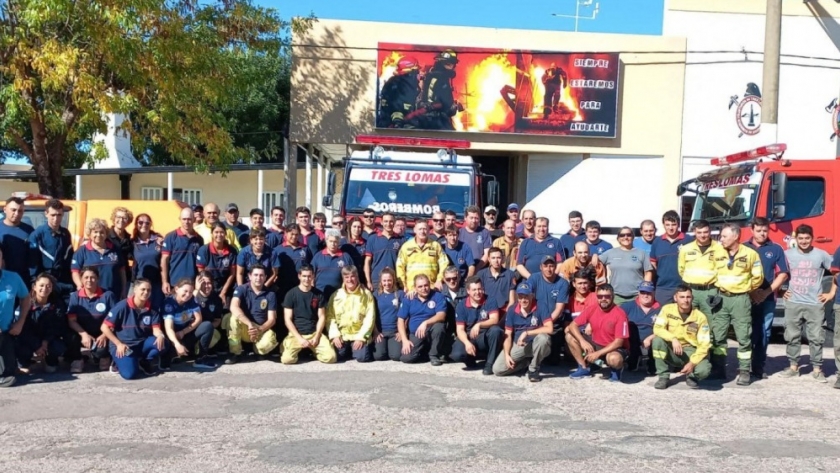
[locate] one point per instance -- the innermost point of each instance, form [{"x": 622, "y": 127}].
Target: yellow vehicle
[{"x": 165, "y": 213}]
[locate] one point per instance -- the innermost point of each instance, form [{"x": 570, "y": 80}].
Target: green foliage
[{"x": 187, "y": 73}]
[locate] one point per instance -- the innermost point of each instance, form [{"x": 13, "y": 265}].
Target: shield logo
[
  {"x": 100, "y": 307},
  {"x": 169, "y": 307},
  {"x": 479, "y": 239},
  {"x": 769, "y": 254},
  {"x": 483, "y": 314},
  {"x": 533, "y": 321},
  {"x": 212, "y": 307},
  {"x": 396, "y": 245},
  {"x": 430, "y": 304},
  {"x": 112, "y": 256},
  {"x": 460, "y": 260},
  {"x": 263, "y": 304},
  {"x": 340, "y": 264},
  {"x": 634, "y": 259},
  {"x": 395, "y": 302},
  {"x": 550, "y": 245},
  {"x": 147, "y": 320}
]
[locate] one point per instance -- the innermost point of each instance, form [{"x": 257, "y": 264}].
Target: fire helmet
[
  {"x": 447, "y": 56},
  {"x": 407, "y": 64}
]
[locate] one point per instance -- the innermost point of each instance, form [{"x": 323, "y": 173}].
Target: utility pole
[{"x": 770, "y": 77}]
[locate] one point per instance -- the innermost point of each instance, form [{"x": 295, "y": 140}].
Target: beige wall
[
  {"x": 823, "y": 8},
  {"x": 333, "y": 86}
]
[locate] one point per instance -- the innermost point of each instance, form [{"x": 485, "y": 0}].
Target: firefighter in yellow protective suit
[
  {"x": 682, "y": 339},
  {"x": 421, "y": 256}
]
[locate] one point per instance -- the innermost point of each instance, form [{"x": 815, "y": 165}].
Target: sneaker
[
  {"x": 743, "y": 378},
  {"x": 147, "y": 367},
  {"x": 232, "y": 360},
  {"x": 581, "y": 373},
  {"x": 77, "y": 366},
  {"x": 470, "y": 363},
  {"x": 489, "y": 372},
  {"x": 661, "y": 383},
  {"x": 112, "y": 368},
  {"x": 205, "y": 363},
  {"x": 534, "y": 376},
  {"x": 435, "y": 361},
  {"x": 759, "y": 374},
  {"x": 7, "y": 381},
  {"x": 50, "y": 368},
  {"x": 104, "y": 363},
  {"x": 615, "y": 375},
  {"x": 789, "y": 372},
  {"x": 691, "y": 382},
  {"x": 819, "y": 376},
  {"x": 166, "y": 364}
]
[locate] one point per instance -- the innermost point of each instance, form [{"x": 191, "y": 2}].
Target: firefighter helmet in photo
[
  {"x": 407, "y": 64},
  {"x": 447, "y": 56}
]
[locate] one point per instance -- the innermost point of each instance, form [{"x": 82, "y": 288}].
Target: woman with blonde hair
[
  {"x": 119, "y": 236},
  {"x": 99, "y": 253}
]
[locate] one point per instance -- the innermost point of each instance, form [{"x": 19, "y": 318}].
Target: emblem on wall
[
  {"x": 747, "y": 110},
  {"x": 833, "y": 108}
]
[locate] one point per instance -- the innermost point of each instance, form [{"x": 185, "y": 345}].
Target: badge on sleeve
[
  {"x": 263, "y": 304},
  {"x": 100, "y": 307}
]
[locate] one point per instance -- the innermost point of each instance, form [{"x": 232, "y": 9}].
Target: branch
[{"x": 27, "y": 150}]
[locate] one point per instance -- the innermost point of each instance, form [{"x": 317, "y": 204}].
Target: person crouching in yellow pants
[{"x": 253, "y": 311}]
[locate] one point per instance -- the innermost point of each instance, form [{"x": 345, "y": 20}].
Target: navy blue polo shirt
[
  {"x": 53, "y": 252},
  {"x": 328, "y": 270},
  {"x": 477, "y": 241},
  {"x": 417, "y": 311},
  {"x": 45, "y": 322},
  {"x": 383, "y": 252},
  {"x": 666, "y": 256},
  {"x": 254, "y": 305},
  {"x": 18, "y": 250},
  {"x": 89, "y": 312},
  {"x": 549, "y": 294},
  {"x": 212, "y": 307},
  {"x": 599, "y": 247},
  {"x": 356, "y": 250},
  {"x": 773, "y": 261},
  {"x": 567, "y": 241},
  {"x": 272, "y": 239},
  {"x": 291, "y": 259},
  {"x": 131, "y": 324},
  {"x": 220, "y": 263},
  {"x": 532, "y": 251},
  {"x": 183, "y": 251},
  {"x": 644, "y": 322},
  {"x": 181, "y": 315},
  {"x": 11, "y": 287},
  {"x": 387, "y": 306},
  {"x": 147, "y": 258},
  {"x": 247, "y": 258},
  {"x": 310, "y": 241},
  {"x": 517, "y": 322},
  {"x": 110, "y": 265},
  {"x": 461, "y": 257},
  {"x": 498, "y": 288},
  {"x": 467, "y": 314}
]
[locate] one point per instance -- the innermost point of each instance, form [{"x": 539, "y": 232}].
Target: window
[
  {"x": 805, "y": 197},
  {"x": 188, "y": 196},
  {"x": 151, "y": 193},
  {"x": 270, "y": 199}
]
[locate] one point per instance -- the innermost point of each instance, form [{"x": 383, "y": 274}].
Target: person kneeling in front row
[
  {"x": 610, "y": 339},
  {"x": 421, "y": 323},
  {"x": 133, "y": 329},
  {"x": 528, "y": 330},
  {"x": 682, "y": 339},
  {"x": 185, "y": 326},
  {"x": 351, "y": 315},
  {"x": 253, "y": 312},
  {"x": 305, "y": 316},
  {"x": 477, "y": 328}
]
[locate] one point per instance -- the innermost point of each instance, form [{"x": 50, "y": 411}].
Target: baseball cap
[
  {"x": 548, "y": 258},
  {"x": 490, "y": 208},
  {"x": 231, "y": 207},
  {"x": 524, "y": 289},
  {"x": 513, "y": 206},
  {"x": 646, "y": 286}
]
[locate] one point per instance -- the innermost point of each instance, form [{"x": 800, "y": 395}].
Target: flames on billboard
[{"x": 481, "y": 90}]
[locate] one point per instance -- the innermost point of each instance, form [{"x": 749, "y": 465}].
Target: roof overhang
[{"x": 146, "y": 170}]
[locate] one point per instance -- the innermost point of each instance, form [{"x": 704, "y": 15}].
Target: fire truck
[
  {"x": 761, "y": 183},
  {"x": 405, "y": 177}
]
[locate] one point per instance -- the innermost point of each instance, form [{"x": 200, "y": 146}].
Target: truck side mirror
[
  {"x": 330, "y": 184},
  {"x": 779, "y": 189},
  {"x": 326, "y": 201},
  {"x": 493, "y": 193}
]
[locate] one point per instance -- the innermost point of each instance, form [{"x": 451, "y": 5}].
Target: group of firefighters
[{"x": 512, "y": 296}]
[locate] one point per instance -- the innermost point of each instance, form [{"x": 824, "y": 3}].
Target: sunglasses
[
  {"x": 450, "y": 279},
  {"x": 489, "y": 213},
  {"x": 367, "y": 216},
  {"x": 604, "y": 296},
  {"x": 438, "y": 220},
  {"x": 143, "y": 222},
  {"x": 338, "y": 223},
  {"x": 625, "y": 235}
]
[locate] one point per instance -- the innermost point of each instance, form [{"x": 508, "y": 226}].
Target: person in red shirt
[
  {"x": 583, "y": 295},
  {"x": 610, "y": 339}
]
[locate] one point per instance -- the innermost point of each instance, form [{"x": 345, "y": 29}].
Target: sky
[{"x": 614, "y": 16}]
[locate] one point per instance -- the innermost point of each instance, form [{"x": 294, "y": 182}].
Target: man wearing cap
[
  {"x": 509, "y": 244},
  {"x": 513, "y": 215},
  {"x": 232, "y": 222},
  {"x": 583, "y": 259},
  {"x": 490, "y": 213},
  {"x": 478, "y": 239},
  {"x": 438, "y": 233},
  {"x": 477, "y": 328},
  {"x": 421, "y": 322},
  {"x": 198, "y": 213},
  {"x": 609, "y": 341},
  {"x": 641, "y": 313},
  {"x": 528, "y": 329},
  {"x": 272, "y": 239},
  {"x": 574, "y": 235},
  {"x": 533, "y": 249},
  {"x": 552, "y": 294},
  {"x": 211, "y": 217}
]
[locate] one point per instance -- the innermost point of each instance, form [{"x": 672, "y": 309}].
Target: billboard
[{"x": 480, "y": 90}]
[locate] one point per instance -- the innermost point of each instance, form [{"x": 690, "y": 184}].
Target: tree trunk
[{"x": 47, "y": 158}]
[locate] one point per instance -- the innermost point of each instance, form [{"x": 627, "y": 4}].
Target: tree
[{"x": 173, "y": 67}]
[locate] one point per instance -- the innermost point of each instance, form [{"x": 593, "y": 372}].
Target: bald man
[
  {"x": 179, "y": 251},
  {"x": 582, "y": 259},
  {"x": 211, "y": 217}
]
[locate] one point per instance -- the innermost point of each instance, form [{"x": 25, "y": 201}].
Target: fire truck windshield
[
  {"x": 726, "y": 196},
  {"x": 410, "y": 192}
]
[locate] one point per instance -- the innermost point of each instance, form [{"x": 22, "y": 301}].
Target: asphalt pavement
[{"x": 387, "y": 416}]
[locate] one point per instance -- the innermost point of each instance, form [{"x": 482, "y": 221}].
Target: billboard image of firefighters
[{"x": 481, "y": 90}]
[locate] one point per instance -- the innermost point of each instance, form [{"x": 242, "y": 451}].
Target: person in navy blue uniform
[
  {"x": 421, "y": 324},
  {"x": 100, "y": 253},
  {"x": 212, "y": 310},
  {"x": 253, "y": 314},
  {"x": 476, "y": 237},
  {"x": 307, "y": 235},
  {"x": 574, "y": 235},
  {"x": 218, "y": 257},
  {"x": 186, "y": 328},
  {"x": 146, "y": 251},
  {"x": 292, "y": 256},
  {"x": 85, "y": 312},
  {"x": 497, "y": 281},
  {"x": 134, "y": 330},
  {"x": 776, "y": 273},
  {"x": 388, "y": 299},
  {"x": 381, "y": 250},
  {"x": 552, "y": 294},
  {"x": 19, "y": 251},
  {"x": 278, "y": 219},
  {"x": 119, "y": 236},
  {"x": 369, "y": 221},
  {"x": 597, "y": 246},
  {"x": 43, "y": 327},
  {"x": 528, "y": 329},
  {"x": 478, "y": 334},
  {"x": 460, "y": 255},
  {"x": 13, "y": 289},
  {"x": 641, "y": 314},
  {"x": 328, "y": 264},
  {"x": 180, "y": 252},
  {"x": 257, "y": 253},
  {"x": 532, "y": 249},
  {"x": 454, "y": 292},
  {"x": 664, "y": 256},
  {"x": 354, "y": 245},
  {"x": 272, "y": 239},
  {"x": 54, "y": 249}
]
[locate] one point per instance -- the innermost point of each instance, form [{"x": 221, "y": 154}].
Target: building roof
[{"x": 10, "y": 174}]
